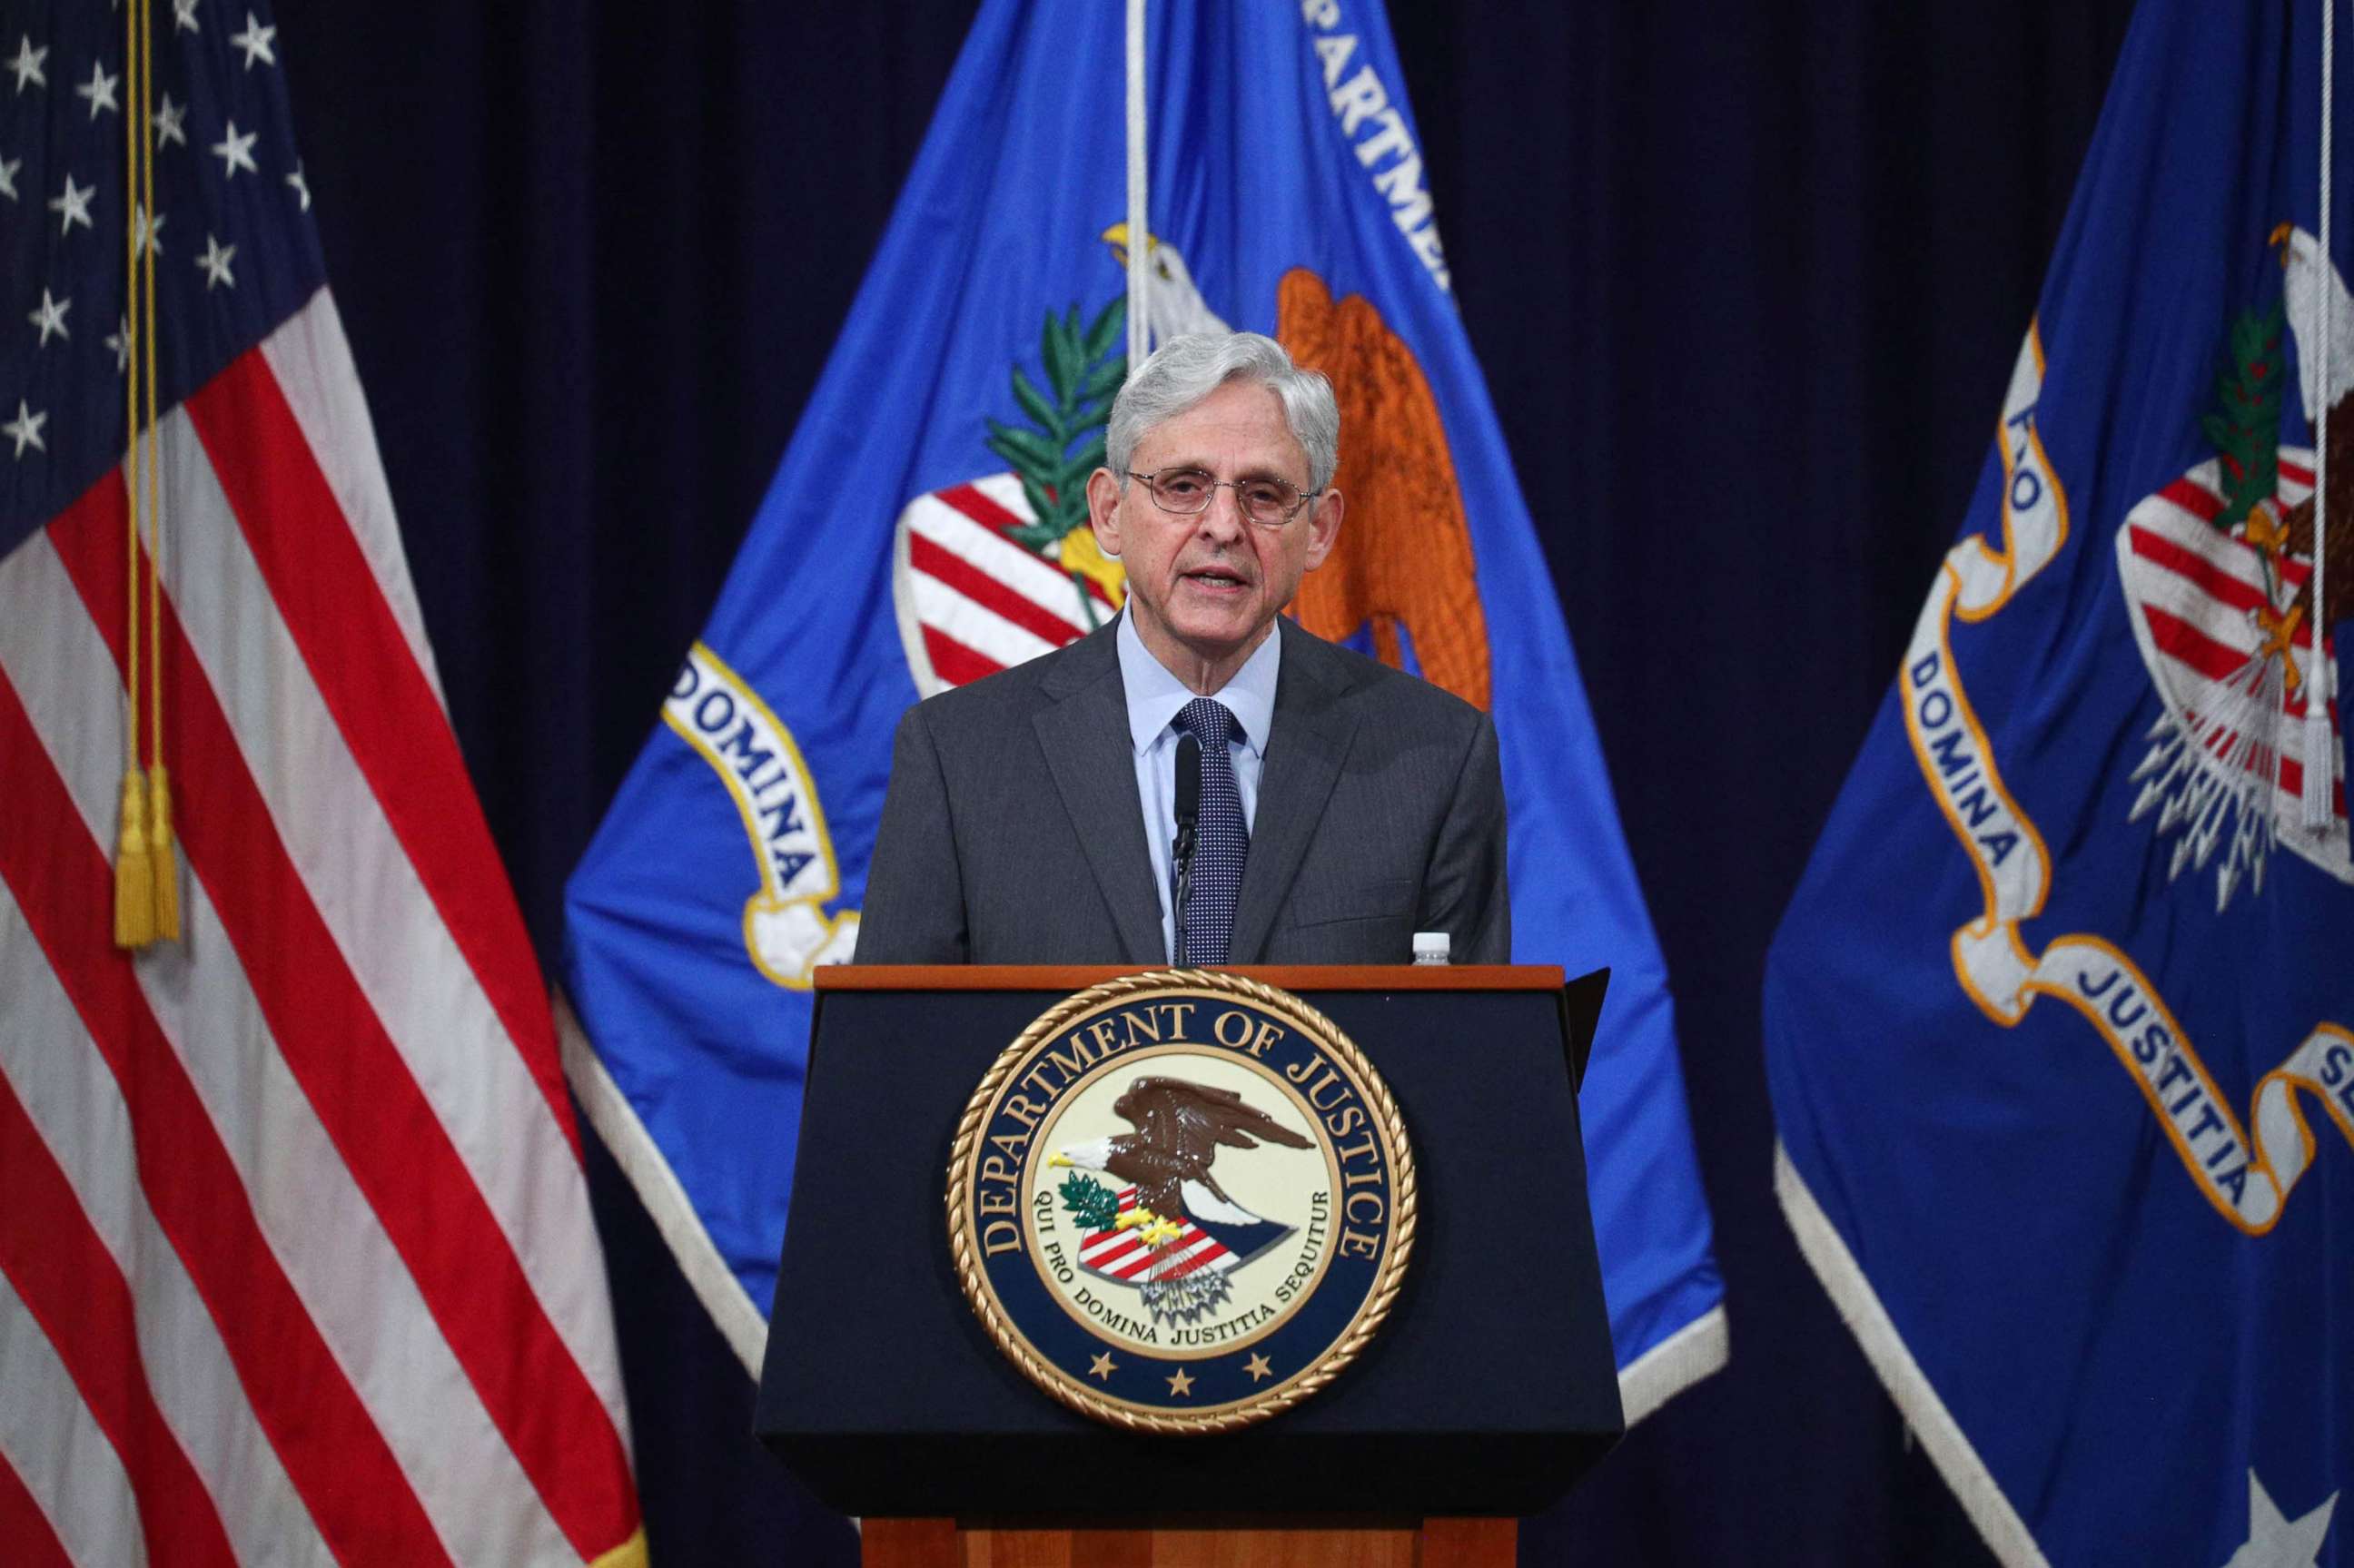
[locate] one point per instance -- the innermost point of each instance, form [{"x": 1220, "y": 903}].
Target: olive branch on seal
[
  {"x": 1083, "y": 374},
  {"x": 1093, "y": 1205}
]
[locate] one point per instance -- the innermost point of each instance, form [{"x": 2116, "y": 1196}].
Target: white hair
[{"x": 1185, "y": 370}]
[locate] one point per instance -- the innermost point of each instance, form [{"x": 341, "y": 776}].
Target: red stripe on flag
[
  {"x": 949, "y": 568},
  {"x": 2218, "y": 583},
  {"x": 953, "y": 662},
  {"x": 25, "y": 1527},
  {"x": 324, "y": 1436},
  {"x": 401, "y": 1155},
  {"x": 1111, "y": 1255},
  {"x": 2206, "y": 505},
  {"x": 2180, "y": 641},
  {"x": 975, "y": 504},
  {"x": 1194, "y": 1255},
  {"x": 2194, "y": 498},
  {"x": 329, "y": 599},
  {"x": 1201, "y": 1259},
  {"x": 75, "y": 1291},
  {"x": 2297, "y": 472},
  {"x": 970, "y": 500}
]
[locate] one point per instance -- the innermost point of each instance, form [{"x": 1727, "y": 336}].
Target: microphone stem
[{"x": 1183, "y": 858}]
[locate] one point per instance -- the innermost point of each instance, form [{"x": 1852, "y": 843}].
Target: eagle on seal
[{"x": 1179, "y": 1126}]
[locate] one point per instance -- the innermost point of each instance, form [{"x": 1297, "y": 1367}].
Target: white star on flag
[
  {"x": 24, "y": 429},
  {"x": 99, "y": 90},
  {"x": 167, "y": 121},
  {"x": 235, "y": 152},
  {"x": 2275, "y": 1541},
  {"x": 27, "y": 63},
  {"x": 145, "y": 236},
  {"x": 72, "y": 206},
  {"x": 215, "y": 260},
  {"x": 51, "y": 317},
  {"x": 255, "y": 42},
  {"x": 119, "y": 340},
  {"x": 8, "y": 167},
  {"x": 301, "y": 186},
  {"x": 184, "y": 15}
]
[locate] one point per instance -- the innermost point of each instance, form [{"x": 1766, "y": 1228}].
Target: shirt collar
[{"x": 1154, "y": 695}]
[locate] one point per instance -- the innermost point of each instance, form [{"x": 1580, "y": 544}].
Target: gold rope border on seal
[{"x": 1370, "y": 1317}]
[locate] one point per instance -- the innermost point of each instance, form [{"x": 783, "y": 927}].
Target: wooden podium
[{"x": 1491, "y": 1387}]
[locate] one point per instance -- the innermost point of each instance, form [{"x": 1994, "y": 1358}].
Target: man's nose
[{"x": 1223, "y": 518}]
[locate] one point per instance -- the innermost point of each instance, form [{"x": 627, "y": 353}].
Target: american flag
[{"x": 296, "y": 1262}]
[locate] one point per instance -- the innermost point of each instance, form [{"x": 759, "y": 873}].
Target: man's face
[{"x": 1209, "y": 586}]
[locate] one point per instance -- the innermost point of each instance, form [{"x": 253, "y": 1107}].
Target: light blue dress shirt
[{"x": 1154, "y": 695}]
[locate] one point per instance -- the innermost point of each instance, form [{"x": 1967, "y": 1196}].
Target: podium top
[{"x": 1289, "y": 977}]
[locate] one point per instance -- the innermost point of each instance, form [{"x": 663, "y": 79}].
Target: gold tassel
[
  {"x": 134, "y": 871},
  {"x": 166, "y": 858}
]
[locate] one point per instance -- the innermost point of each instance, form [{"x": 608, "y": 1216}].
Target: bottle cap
[{"x": 1431, "y": 947}]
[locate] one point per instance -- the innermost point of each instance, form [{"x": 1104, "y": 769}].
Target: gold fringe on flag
[
  {"x": 134, "y": 869},
  {"x": 162, "y": 857}
]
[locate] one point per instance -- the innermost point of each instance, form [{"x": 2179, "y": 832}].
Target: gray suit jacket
[{"x": 1011, "y": 832}]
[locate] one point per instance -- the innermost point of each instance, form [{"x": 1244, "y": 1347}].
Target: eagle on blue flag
[
  {"x": 927, "y": 528},
  {"x": 2060, "y": 1023}
]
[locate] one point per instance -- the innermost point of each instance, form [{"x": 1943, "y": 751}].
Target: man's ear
[
  {"x": 1323, "y": 527},
  {"x": 1103, "y": 510}
]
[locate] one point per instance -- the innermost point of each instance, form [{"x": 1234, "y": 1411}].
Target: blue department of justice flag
[
  {"x": 2060, "y": 1023},
  {"x": 928, "y": 527}
]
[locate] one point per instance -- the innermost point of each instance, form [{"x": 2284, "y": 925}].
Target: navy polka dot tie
[{"x": 1221, "y": 840}]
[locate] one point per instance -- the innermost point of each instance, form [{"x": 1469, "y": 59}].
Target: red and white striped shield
[
  {"x": 2226, "y": 767},
  {"x": 1124, "y": 1257},
  {"x": 972, "y": 599}
]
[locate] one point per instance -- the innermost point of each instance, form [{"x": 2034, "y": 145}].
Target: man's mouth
[{"x": 1216, "y": 579}]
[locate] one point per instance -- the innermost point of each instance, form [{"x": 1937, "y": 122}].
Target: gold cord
[
  {"x": 163, "y": 853},
  {"x": 134, "y": 875}
]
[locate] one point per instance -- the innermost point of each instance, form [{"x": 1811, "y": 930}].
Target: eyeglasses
[{"x": 1187, "y": 492}]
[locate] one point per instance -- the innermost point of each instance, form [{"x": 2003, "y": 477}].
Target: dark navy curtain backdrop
[{"x": 1747, "y": 282}]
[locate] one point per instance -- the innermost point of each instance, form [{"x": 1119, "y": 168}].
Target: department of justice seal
[{"x": 1182, "y": 1202}]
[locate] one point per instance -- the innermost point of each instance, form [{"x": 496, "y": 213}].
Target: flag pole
[
  {"x": 1140, "y": 234},
  {"x": 2320, "y": 768}
]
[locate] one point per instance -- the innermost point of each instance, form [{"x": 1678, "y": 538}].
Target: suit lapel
[
  {"x": 1084, "y": 733},
  {"x": 1305, "y": 745}
]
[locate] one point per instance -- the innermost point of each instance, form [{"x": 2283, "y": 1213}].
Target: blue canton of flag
[
  {"x": 2059, "y": 1024},
  {"x": 230, "y": 263},
  {"x": 927, "y": 528}
]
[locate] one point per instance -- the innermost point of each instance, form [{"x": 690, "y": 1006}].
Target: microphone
[
  {"x": 1189, "y": 812},
  {"x": 1188, "y": 786}
]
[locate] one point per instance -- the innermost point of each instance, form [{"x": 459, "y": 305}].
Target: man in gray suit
[{"x": 1031, "y": 816}]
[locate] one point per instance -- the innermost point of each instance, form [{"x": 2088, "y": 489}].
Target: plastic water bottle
[{"x": 1431, "y": 948}]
